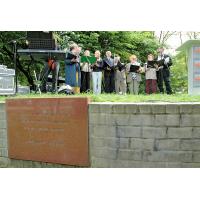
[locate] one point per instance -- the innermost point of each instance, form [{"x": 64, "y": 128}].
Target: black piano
[{"x": 41, "y": 46}]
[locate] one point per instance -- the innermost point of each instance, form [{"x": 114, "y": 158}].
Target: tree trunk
[{"x": 19, "y": 66}]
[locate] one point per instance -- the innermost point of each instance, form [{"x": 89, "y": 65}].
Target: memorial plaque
[{"x": 51, "y": 130}]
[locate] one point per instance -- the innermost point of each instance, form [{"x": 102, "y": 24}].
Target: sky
[{"x": 174, "y": 41}]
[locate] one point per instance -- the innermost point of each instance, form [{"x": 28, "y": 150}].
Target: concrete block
[
  {"x": 131, "y": 108},
  {"x": 142, "y": 144},
  {"x": 196, "y": 156},
  {"x": 129, "y": 154},
  {"x": 2, "y": 116},
  {"x": 120, "y": 119},
  {"x": 119, "y": 109},
  {"x": 145, "y": 108},
  {"x": 168, "y": 156},
  {"x": 2, "y": 107},
  {"x": 27, "y": 164},
  {"x": 158, "y": 108},
  {"x": 124, "y": 143},
  {"x": 106, "y": 108},
  {"x": 196, "y": 109},
  {"x": 196, "y": 132},
  {"x": 3, "y": 143},
  {"x": 190, "y": 120},
  {"x": 179, "y": 132},
  {"x": 147, "y": 120},
  {"x": 3, "y": 134},
  {"x": 189, "y": 145},
  {"x": 102, "y": 131},
  {"x": 100, "y": 162},
  {"x": 168, "y": 144},
  {"x": 16, "y": 163},
  {"x": 3, "y": 124},
  {"x": 109, "y": 119},
  {"x": 4, "y": 152},
  {"x": 161, "y": 164},
  {"x": 109, "y": 153},
  {"x": 99, "y": 118},
  {"x": 4, "y": 162},
  {"x": 172, "y": 108},
  {"x": 129, "y": 131},
  {"x": 142, "y": 120},
  {"x": 104, "y": 142},
  {"x": 167, "y": 120},
  {"x": 186, "y": 108},
  {"x": 36, "y": 164},
  {"x": 110, "y": 163},
  {"x": 154, "y": 132},
  {"x": 190, "y": 165}
]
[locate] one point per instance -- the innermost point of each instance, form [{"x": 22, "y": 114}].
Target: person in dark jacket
[
  {"x": 109, "y": 73},
  {"x": 72, "y": 68},
  {"x": 120, "y": 76},
  {"x": 163, "y": 73}
]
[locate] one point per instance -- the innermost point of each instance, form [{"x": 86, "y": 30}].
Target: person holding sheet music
[
  {"x": 85, "y": 73},
  {"x": 150, "y": 68},
  {"x": 97, "y": 73},
  {"x": 163, "y": 74},
  {"x": 120, "y": 76},
  {"x": 133, "y": 70},
  {"x": 109, "y": 73},
  {"x": 72, "y": 68}
]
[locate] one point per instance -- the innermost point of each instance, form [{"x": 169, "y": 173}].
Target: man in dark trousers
[
  {"x": 50, "y": 66},
  {"x": 109, "y": 73},
  {"x": 163, "y": 74}
]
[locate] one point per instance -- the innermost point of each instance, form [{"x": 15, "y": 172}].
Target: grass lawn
[{"x": 119, "y": 98}]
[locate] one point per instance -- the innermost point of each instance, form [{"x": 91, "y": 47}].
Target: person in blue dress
[{"x": 72, "y": 68}]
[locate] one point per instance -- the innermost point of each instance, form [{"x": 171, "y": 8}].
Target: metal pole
[{"x": 15, "y": 65}]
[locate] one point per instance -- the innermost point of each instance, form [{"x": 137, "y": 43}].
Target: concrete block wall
[
  {"x": 144, "y": 134},
  {"x": 132, "y": 135}
]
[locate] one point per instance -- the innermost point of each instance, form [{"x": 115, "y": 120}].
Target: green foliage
[
  {"x": 179, "y": 74},
  {"x": 123, "y": 43}
]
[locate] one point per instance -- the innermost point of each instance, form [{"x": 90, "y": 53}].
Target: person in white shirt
[{"x": 97, "y": 68}]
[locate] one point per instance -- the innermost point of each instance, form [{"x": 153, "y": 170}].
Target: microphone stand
[{"x": 15, "y": 64}]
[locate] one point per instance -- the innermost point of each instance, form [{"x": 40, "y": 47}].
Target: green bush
[{"x": 179, "y": 74}]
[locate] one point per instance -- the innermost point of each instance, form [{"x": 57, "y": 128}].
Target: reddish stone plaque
[{"x": 51, "y": 130}]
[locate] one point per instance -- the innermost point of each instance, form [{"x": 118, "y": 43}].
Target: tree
[
  {"x": 179, "y": 74},
  {"x": 6, "y": 54},
  {"x": 164, "y": 36},
  {"x": 123, "y": 43},
  {"x": 193, "y": 35}
]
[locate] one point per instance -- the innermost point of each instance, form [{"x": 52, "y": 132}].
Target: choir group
[
  {"x": 113, "y": 76},
  {"x": 110, "y": 75}
]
